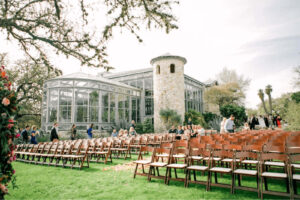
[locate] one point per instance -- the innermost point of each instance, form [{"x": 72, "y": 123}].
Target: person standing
[
  {"x": 252, "y": 122},
  {"x": 25, "y": 135},
  {"x": 54, "y": 135},
  {"x": 90, "y": 131},
  {"x": 229, "y": 125},
  {"x": 222, "y": 126},
  {"x": 132, "y": 124},
  {"x": 278, "y": 121},
  {"x": 189, "y": 123},
  {"x": 34, "y": 132},
  {"x": 261, "y": 122},
  {"x": 73, "y": 132},
  {"x": 266, "y": 119}
]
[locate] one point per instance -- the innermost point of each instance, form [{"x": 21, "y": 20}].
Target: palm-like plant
[
  {"x": 268, "y": 91},
  {"x": 262, "y": 98},
  {"x": 170, "y": 117}
]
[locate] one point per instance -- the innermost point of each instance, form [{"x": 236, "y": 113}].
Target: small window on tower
[
  {"x": 157, "y": 69},
  {"x": 172, "y": 68}
]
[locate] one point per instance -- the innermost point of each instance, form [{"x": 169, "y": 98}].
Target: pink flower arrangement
[
  {"x": 18, "y": 135},
  {"x": 9, "y": 126},
  {"x": 5, "y": 101}
]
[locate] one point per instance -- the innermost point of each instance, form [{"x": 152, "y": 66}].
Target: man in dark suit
[
  {"x": 173, "y": 130},
  {"x": 252, "y": 122},
  {"x": 54, "y": 134},
  {"x": 25, "y": 134},
  {"x": 266, "y": 119}
]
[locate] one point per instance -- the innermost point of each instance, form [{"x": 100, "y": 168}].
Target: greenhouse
[{"x": 84, "y": 99}]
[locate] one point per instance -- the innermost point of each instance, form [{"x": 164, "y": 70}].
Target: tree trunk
[
  {"x": 270, "y": 103},
  {"x": 264, "y": 105}
]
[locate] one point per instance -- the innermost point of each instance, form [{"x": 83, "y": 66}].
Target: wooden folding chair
[
  {"x": 142, "y": 161},
  {"x": 294, "y": 169},
  {"x": 240, "y": 171},
  {"x": 197, "y": 152},
  {"x": 156, "y": 165},
  {"x": 43, "y": 153},
  {"x": 220, "y": 153},
  {"x": 103, "y": 153},
  {"x": 179, "y": 151},
  {"x": 264, "y": 174}
]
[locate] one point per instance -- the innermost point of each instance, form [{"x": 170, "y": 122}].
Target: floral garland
[{"x": 8, "y": 110}]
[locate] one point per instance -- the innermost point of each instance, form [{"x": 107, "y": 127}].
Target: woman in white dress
[
  {"x": 261, "y": 122},
  {"x": 222, "y": 127}
]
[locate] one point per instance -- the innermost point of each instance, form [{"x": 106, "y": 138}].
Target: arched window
[
  {"x": 172, "y": 68},
  {"x": 157, "y": 69}
]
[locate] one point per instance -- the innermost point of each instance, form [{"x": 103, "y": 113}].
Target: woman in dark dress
[
  {"x": 73, "y": 132},
  {"x": 33, "y": 134}
]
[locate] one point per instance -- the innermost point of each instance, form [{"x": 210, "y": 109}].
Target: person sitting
[
  {"x": 200, "y": 130},
  {"x": 121, "y": 133},
  {"x": 34, "y": 132},
  {"x": 173, "y": 130},
  {"x": 180, "y": 130},
  {"x": 246, "y": 127},
  {"x": 125, "y": 133},
  {"x": 114, "y": 133},
  {"x": 132, "y": 131}
]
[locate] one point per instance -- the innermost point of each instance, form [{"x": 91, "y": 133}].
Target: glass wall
[{"x": 88, "y": 102}]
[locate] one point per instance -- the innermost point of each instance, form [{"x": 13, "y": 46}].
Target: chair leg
[
  {"x": 216, "y": 177},
  {"x": 194, "y": 175},
  {"x": 149, "y": 173},
  {"x": 232, "y": 182},
  {"x": 186, "y": 183},
  {"x": 136, "y": 167},
  {"x": 167, "y": 176},
  {"x": 258, "y": 186},
  {"x": 266, "y": 183},
  {"x": 287, "y": 185},
  {"x": 175, "y": 173},
  {"x": 208, "y": 181},
  {"x": 239, "y": 179},
  {"x": 157, "y": 171}
]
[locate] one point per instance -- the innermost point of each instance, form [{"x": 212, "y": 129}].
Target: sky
[{"x": 258, "y": 39}]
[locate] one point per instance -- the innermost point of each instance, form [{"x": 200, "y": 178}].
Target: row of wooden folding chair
[
  {"x": 235, "y": 160},
  {"x": 56, "y": 154}
]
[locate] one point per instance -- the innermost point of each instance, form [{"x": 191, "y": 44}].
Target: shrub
[
  {"x": 197, "y": 118},
  {"x": 293, "y": 116},
  {"x": 170, "y": 117},
  {"x": 238, "y": 112},
  {"x": 296, "y": 97},
  {"x": 8, "y": 110},
  {"x": 148, "y": 126}
]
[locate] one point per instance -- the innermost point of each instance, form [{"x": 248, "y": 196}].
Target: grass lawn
[{"x": 109, "y": 182}]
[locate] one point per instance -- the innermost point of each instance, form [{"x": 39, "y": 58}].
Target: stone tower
[{"x": 168, "y": 86}]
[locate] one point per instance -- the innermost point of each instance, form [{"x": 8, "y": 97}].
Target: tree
[
  {"x": 261, "y": 95},
  {"x": 197, "y": 118},
  {"x": 229, "y": 93},
  {"x": 8, "y": 110},
  {"x": 268, "y": 91},
  {"x": 297, "y": 77},
  {"x": 231, "y": 76},
  {"x": 231, "y": 89},
  {"x": 238, "y": 112},
  {"x": 28, "y": 78},
  {"x": 170, "y": 117},
  {"x": 296, "y": 97},
  {"x": 42, "y": 27}
]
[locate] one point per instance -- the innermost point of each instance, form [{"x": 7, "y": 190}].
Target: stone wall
[{"x": 168, "y": 89}]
